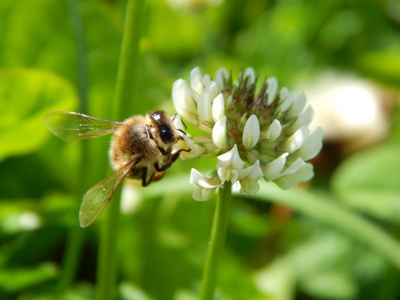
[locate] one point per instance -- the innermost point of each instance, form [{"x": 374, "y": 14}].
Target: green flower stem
[
  {"x": 71, "y": 259},
  {"x": 107, "y": 265},
  {"x": 217, "y": 240},
  {"x": 129, "y": 58},
  {"x": 76, "y": 235}
]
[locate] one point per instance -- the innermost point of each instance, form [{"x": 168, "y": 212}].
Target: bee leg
[
  {"x": 173, "y": 158},
  {"x": 168, "y": 164},
  {"x": 154, "y": 177},
  {"x": 163, "y": 168},
  {"x": 144, "y": 177},
  {"x": 164, "y": 152}
]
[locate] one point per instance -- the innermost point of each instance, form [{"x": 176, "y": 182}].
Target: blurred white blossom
[{"x": 350, "y": 110}]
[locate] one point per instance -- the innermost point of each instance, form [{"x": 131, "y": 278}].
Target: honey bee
[{"x": 141, "y": 148}]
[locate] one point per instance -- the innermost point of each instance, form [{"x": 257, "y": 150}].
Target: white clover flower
[
  {"x": 206, "y": 186},
  {"x": 254, "y": 134},
  {"x": 229, "y": 165},
  {"x": 248, "y": 179}
]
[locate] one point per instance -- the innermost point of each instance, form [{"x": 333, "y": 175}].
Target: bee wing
[
  {"x": 73, "y": 127},
  {"x": 97, "y": 198}
]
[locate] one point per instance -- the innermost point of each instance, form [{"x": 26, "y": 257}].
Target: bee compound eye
[{"x": 166, "y": 133}]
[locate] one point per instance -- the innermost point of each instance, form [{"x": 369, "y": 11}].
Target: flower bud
[
  {"x": 196, "y": 81},
  {"x": 218, "y": 107},
  {"x": 220, "y": 77},
  {"x": 272, "y": 89},
  {"x": 251, "y": 132},
  {"x": 219, "y": 136},
  {"x": 204, "y": 108},
  {"x": 274, "y": 130},
  {"x": 182, "y": 98},
  {"x": 273, "y": 169},
  {"x": 296, "y": 140}
]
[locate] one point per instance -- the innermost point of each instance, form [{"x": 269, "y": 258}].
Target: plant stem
[
  {"x": 76, "y": 235},
  {"x": 107, "y": 265},
  {"x": 129, "y": 58},
  {"x": 217, "y": 240},
  {"x": 71, "y": 259}
]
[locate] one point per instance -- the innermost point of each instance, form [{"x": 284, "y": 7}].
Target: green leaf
[
  {"x": 326, "y": 255},
  {"x": 13, "y": 280},
  {"x": 323, "y": 208},
  {"x": 277, "y": 280},
  {"x": 323, "y": 251},
  {"x": 25, "y": 97},
  {"x": 383, "y": 63},
  {"x": 81, "y": 291},
  {"x": 33, "y": 43},
  {"x": 130, "y": 291},
  {"x": 189, "y": 32},
  {"x": 331, "y": 285},
  {"x": 369, "y": 182}
]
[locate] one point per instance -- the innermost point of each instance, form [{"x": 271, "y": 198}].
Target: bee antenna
[
  {"x": 184, "y": 125},
  {"x": 182, "y": 131}
]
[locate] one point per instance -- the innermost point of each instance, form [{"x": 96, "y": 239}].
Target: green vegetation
[{"x": 335, "y": 238}]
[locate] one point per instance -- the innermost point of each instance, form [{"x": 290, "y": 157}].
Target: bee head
[{"x": 166, "y": 128}]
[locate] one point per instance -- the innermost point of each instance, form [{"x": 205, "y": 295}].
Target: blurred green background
[{"x": 335, "y": 238}]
